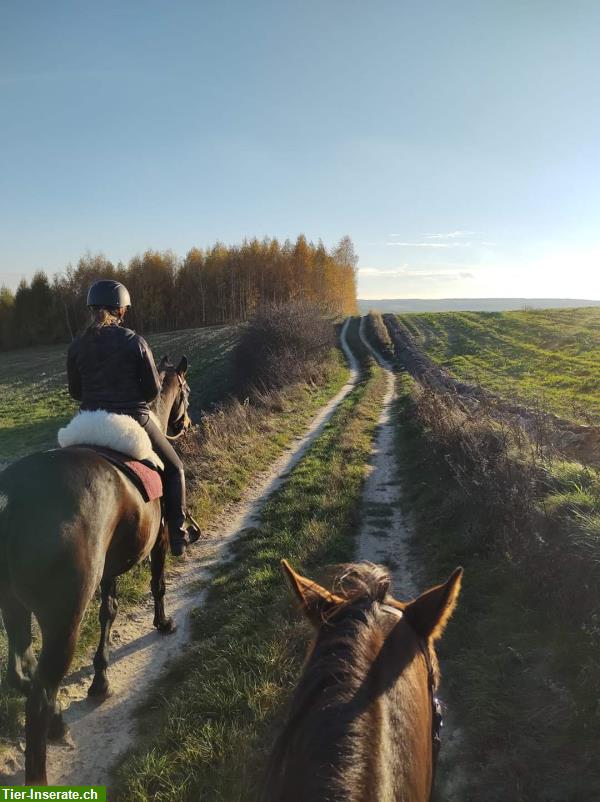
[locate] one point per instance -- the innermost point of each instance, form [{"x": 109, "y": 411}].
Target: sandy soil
[{"x": 101, "y": 733}]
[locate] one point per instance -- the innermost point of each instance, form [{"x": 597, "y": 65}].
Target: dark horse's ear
[
  {"x": 430, "y": 612},
  {"x": 182, "y": 366},
  {"x": 162, "y": 365},
  {"x": 317, "y": 603}
]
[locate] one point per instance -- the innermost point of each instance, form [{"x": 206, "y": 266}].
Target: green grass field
[
  {"x": 34, "y": 401},
  {"x": 545, "y": 357}
]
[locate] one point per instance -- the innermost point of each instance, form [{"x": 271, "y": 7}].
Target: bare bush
[
  {"x": 494, "y": 463},
  {"x": 379, "y": 335},
  {"x": 283, "y": 344}
]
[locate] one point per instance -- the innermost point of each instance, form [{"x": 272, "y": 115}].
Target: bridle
[{"x": 436, "y": 706}]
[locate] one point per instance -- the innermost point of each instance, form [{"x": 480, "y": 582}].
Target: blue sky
[{"x": 457, "y": 143}]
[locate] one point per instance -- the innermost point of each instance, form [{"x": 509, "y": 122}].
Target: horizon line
[{"x": 480, "y": 298}]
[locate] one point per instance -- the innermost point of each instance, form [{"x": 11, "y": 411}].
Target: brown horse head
[{"x": 362, "y": 718}]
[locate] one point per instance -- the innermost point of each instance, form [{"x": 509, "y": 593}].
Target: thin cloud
[
  {"x": 450, "y": 235},
  {"x": 447, "y": 239},
  {"x": 444, "y": 276},
  {"x": 431, "y": 244},
  {"x": 375, "y": 271},
  {"x": 405, "y": 272}
]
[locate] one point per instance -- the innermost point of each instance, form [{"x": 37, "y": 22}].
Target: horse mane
[
  {"x": 362, "y": 582},
  {"x": 326, "y": 724}
]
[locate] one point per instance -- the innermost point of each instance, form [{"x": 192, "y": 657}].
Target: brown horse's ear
[
  {"x": 430, "y": 612},
  {"x": 182, "y": 366},
  {"x": 162, "y": 365},
  {"x": 317, "y": 603}
]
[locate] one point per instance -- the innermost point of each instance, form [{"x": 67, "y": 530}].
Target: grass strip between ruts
[{"x": 214, "y": 716}]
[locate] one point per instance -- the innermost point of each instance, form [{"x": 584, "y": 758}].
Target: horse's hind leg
[
  {"x": 21, "y": 659},
  {"x": 157, "y": 584},
  {"x": 100, "y": 687},
  {"x": 43, "y": 717}
]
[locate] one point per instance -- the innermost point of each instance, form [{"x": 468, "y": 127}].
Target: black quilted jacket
[{"x": 112, "y": 368}]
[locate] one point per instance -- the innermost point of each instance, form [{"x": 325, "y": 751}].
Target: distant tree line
[{"x": 223, "y": 284}]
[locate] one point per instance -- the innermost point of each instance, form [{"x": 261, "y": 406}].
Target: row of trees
[{"x": 220, "y": 285}]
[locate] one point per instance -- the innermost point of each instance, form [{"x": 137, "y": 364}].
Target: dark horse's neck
[
  {"x": 355, "y": 730},
  {"x": 161, "y": 408}
]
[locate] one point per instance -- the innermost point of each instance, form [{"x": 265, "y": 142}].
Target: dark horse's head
[
  {"x": 174, "y": 400},
  {"x": 363, "y": 719}
]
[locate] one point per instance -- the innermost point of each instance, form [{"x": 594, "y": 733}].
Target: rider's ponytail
[{"x": 103, "y": 316}]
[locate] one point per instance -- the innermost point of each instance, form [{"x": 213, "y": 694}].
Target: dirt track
[
  {"x": 386, "y": 533},
  {"x": 389, "y": 538},
  {"x": 100, "y": 734}
]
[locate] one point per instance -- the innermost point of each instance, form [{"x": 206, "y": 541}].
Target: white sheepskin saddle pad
[{"x": 118, "y": 432}]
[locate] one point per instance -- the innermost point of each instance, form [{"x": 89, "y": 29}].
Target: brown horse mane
[
  {"x": 348, "y": 671},
  {"x": 362, "y": 582}
]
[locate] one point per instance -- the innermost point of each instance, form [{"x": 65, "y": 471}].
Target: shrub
[
  {"x": 283, "y": 344},
  {"x": 379, "y": 335}
]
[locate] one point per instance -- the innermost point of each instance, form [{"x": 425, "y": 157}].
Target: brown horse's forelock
[
  {"x": 362, "y": 582},
  {"x": 335, "y": 691}
]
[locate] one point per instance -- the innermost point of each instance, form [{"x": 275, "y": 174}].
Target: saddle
[
  {"x": 143, "y": 474},
  {"x": 121, "y": 441}
]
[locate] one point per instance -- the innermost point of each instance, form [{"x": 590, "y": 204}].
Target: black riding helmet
[{"x": 108, "y": 293}]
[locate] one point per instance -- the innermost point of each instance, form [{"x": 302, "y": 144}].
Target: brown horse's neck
[{"x": 360, "y": 722}]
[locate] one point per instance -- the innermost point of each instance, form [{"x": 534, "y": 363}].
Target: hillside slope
[
  {"x": 549, "y": 358},
  {"x": 34, "y": 401}
]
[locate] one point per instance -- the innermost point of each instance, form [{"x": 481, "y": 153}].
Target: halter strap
[
  {"x": 436, "y": 714},
  {"x": 393, "y": 610}
]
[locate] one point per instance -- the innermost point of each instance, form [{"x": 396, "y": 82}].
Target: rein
[{"x": 436, "y": 706}]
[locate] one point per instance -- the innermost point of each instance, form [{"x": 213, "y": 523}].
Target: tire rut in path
[
  {"x": 386, "y": 533},
  {"x": 100, "y": 734},
  {"x": 387, "y": 536}
]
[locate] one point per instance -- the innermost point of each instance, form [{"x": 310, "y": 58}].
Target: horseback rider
[{"x": 110, "y": 367}]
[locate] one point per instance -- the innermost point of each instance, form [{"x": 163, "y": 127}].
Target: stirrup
[{"x": 194, "y": 532}]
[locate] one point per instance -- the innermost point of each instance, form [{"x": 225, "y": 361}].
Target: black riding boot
[{"x": 180, "y": 536}]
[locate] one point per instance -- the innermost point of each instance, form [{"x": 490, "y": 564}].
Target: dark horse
[
  {"x": 363, "y": 720},
  {"x": 70, "y": 521}
]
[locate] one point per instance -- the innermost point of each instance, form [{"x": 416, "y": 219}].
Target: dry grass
[
  {"x": 379, "y": 335},
  {"x": 521, "y": 657},
  {"x": 241, "y": 438}
]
